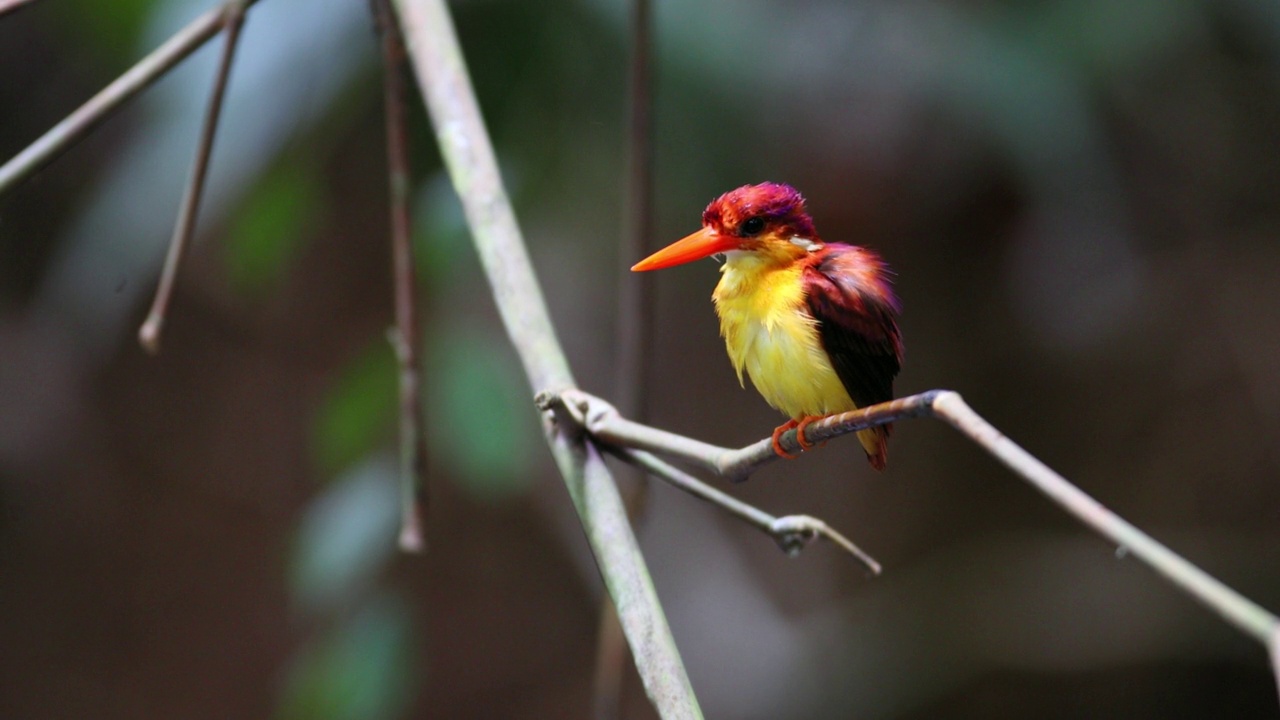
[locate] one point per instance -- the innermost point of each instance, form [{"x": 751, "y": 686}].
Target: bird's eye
[{"x": 752, "y": 226}]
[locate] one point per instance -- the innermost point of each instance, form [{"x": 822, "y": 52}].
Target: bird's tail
[{"x": 876, "y": 442}]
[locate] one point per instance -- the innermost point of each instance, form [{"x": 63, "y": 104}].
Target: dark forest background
[{"x": 1081, "y": 199}]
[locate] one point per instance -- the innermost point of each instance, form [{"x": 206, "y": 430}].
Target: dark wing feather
[{"x": 847, "y": 290}]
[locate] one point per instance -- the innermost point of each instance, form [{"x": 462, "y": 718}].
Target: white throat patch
[{"x": 806, "y": 243}]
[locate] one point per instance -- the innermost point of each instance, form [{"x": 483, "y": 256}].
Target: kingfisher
[{"x": 813, "y": 324}]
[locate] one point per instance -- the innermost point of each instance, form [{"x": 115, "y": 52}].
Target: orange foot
[
  {"x": 799, "y": 425},
  {"x": 777, "y": 435},
  {"x": 805, "y": 422}
]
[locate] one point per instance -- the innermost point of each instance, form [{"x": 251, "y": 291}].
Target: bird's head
[{"x": 768, "y": 219}]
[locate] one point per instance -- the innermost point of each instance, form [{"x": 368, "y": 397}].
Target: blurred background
[{"x": 1081, "y": 199}]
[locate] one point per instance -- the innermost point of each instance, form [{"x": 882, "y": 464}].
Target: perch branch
[
  {"x": 792, "y": 532},
  {"x": 137, "y": 78},
  {"x": 149, "y": 333},
  {"x": 1248, "y": 617},
  {"x": 603, "y": 421},
  {"x": 405, "y": 338},
  {"x": 606, "y": 423},
  {"x": 442, "y": 77}
]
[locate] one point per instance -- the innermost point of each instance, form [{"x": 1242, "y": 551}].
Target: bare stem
[
  {"x": 149, "y": 333},
  {"x": 603, "y": 421},
  {"x": 635, "y": 300},
  {"x": 1273, "y": 650},
  {"x": 151, "y": 68},
  {"x": 634, "y": 326},
  {"x": 464, "y": 143},
  {"x": 405, "y": 338},
  {"x": 8, "y": 6},
  {"x": 792, "y": 532},
  {"x": 611, "y": 663},
  {"x": 1246, "y": 615}
]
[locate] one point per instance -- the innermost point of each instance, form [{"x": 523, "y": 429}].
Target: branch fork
[
  {"x": 634, "y": 442},
  {"x": 578, "y": 412}
]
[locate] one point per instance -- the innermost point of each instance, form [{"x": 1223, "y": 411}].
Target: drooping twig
[
  {"x": 634, "y": 326},
  {"x": 405, "y": 338},
  {"x": 149, "y": 333},
  {"x": 603, "y": 421},
  {"x": 792, "y": 532},
  {"x": 151, "y": 68},
  {"x": 8, "y": 6},
  {"x": 442, "y": 77}
]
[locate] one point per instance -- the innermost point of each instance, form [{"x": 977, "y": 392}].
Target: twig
[
  {"x": 634, "y": 327},
  {"x": 8, "y": 6},
  {"x": 1273, "y": 650},
  {"x": 442, "y": 77},
  {"x": 1248, "y": 617},
  {"x": 149, "y": 333},
  {"x": 611, "y": 663},
  {"x": 635, "y": 300},
  {"x": 603, "y": 421},
  {"x": 151, "y": 68},
  {"x": 792, "y": 532},
  {"x": 405, "y": 337}
]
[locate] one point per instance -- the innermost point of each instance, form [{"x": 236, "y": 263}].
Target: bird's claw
[
  {"x": 805, "y": 422},
  {"x": 777, "y": 440},
  {"x": 799, "y": 426}
]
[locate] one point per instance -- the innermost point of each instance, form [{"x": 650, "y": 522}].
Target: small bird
[{"x": 814, "y": 324}]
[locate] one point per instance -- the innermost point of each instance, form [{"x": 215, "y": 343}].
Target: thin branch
[
  {"x": 792, "y": 532},
  {"x": 8, "y": 6},
  {"x": 634, "y": 327},
  {"x": 149, "y": 333},
  {"x": 151, "y": 68},
  {"x": 603, "y": 421},
  {"x": 1248, "y": 617},
  {"x": 405, "y": 338},
  {"x": 635, "y": 300},
  {"x": 611, "y": 663},
  {"x": 1273, "y": 650},
  {"x": 464, "y": 143}
]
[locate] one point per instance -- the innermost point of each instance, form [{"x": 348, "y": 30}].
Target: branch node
[
  {"x": 545, "y": 400},
  {"x": 795, "y": 532},
  {"x": 792, "y": 536},
  {"x": 594, "y": 411},
  {"x": 568, "y": 408}
]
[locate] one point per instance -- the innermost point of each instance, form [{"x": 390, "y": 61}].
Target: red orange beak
[{"x": 704, "y": 243}]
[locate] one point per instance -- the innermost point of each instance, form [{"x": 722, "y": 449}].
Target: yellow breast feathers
[{"x": 769, "y": 332}]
